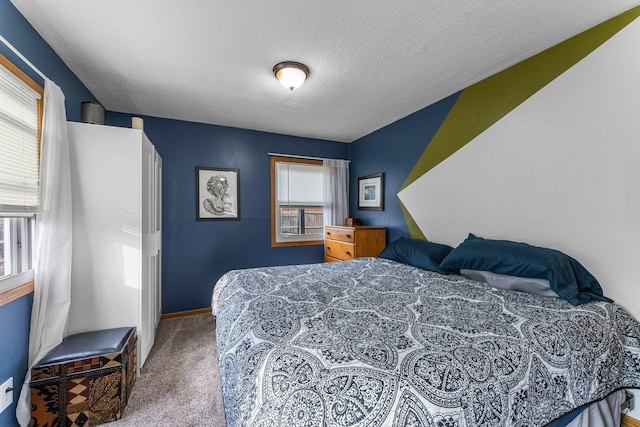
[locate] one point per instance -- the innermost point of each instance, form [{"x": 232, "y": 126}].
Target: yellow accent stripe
[
  {"x": 414, "y": 230},
  {"x": 484, "y": 103}
]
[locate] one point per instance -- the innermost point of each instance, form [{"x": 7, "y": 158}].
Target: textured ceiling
[{"x": 372, "y": 62}]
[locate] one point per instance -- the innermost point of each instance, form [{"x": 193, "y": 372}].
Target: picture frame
[
  {"x": 217, "y": 193},
  {"x": 371, "y": 192}
]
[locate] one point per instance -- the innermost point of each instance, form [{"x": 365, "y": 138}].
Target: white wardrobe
[{"x": 116, "y": 177}]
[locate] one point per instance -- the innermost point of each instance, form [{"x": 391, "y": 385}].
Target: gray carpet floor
[{"x": 179, "y": 383}]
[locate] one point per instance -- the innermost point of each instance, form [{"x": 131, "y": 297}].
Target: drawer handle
[
  {"x": 328, "y": 233},
  {"x": 328, "y": 248},
  {"x": 348, "y": 236},
  {"x": 347, "y": 252}
]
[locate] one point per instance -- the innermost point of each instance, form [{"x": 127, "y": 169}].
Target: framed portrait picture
[
  {"x": 371, "y": 192},
  {"x": 217, "y": 193}
]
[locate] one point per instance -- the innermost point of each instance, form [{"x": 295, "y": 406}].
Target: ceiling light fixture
[{"x": 291, "y": 74}]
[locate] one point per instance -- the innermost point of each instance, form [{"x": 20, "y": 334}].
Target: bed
[{"x": 383, "y": 342}]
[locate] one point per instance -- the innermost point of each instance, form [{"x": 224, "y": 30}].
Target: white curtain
[
  {"x": 52, "y": 269},
  {"x": 336, "y": 191}
]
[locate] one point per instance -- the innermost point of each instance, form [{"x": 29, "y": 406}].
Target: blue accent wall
[
  {"x": 394, "y": 150},
  {"x": 14, "y": 347},
  {"x": 196, "y": 253}
]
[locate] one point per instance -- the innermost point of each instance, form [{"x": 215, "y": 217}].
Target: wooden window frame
[
  {"x": 274, "y": 242},
  {"x": 18, "y": 291}
]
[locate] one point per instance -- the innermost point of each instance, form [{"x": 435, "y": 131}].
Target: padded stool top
[{"x": 87, "y": 344}]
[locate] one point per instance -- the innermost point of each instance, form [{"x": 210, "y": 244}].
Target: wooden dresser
[{"x": 345, "y": 243}]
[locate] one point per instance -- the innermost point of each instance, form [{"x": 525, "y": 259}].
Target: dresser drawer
[
  {"x": 340, "y": 250},
  {"x": 341, "y": 234}
]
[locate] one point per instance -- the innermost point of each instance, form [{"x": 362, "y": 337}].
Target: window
[
  {"x": 296, "y": 201},
  {"x": 16, "y": 243},
  {"x": 20, "y": 127}
]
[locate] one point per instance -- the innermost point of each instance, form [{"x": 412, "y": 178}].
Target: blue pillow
[
  {"x": 418, "y": 253},
  {"x": 568, "y": 278}
]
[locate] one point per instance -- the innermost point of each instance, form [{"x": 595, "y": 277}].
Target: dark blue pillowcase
[
  {"x": 418, "y": 253},
  {"x": 567, "y": 277}
]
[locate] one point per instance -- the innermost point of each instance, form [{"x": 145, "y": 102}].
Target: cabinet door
[
  {"x": 158, "y": 218},
  {"x": 149, "y": 250},
  {"x": 105, "y": 184}
]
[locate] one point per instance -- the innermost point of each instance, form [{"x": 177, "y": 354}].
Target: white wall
[{"x": 561, "y": 170}]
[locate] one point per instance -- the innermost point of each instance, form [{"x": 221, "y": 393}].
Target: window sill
[
  {"x": 296, "y": 243},
  {"x": 16, "y": 292}
]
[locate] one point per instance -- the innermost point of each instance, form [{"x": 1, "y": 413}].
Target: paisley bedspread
[{"x": 372, "y": 342}]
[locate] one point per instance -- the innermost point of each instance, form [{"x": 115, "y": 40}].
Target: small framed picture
[
  {"x": 371, "y": 192},
  {"x": 217, "y": 193}
]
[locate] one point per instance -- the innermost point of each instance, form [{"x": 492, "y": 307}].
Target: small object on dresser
[
  {"x": 85, "y": 380},
  {"x": 352, "y": 221}
]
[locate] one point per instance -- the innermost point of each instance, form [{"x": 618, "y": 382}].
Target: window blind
[
  {"x": 299, "y": 184},
  {"x": 19, "y": 150}
]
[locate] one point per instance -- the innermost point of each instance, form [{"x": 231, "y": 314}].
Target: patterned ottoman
[{"x": 85, "y": 380}]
